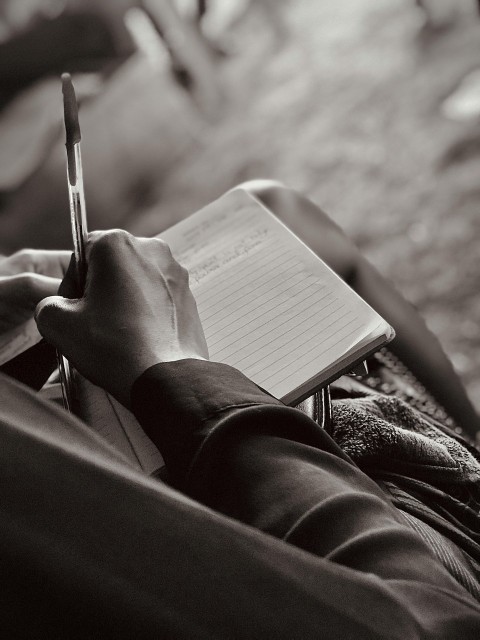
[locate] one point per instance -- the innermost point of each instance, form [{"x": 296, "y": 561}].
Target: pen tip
[{"x": 70, "y": 110}]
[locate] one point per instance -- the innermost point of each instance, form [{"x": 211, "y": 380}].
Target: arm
[
  {"x": 244, "y": 454},
  {"x": 241, "y": 452},
  {"x": 26, "y": 277}
]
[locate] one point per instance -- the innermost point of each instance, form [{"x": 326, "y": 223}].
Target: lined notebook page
[{"x": 269, "y": 306}]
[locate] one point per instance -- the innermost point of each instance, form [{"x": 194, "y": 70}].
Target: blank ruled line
[
  {"x": 243, "y": 292},
  {"x": 291, "y": 345},
  {"x": 272, "y": 378},
  {"x": 316, "y": 355},
  {"x": 295, "y": 282},
  {"x": 243, "y": 271},
  {"x": 283, "y": 308},
  {"x": 270, "y": 325},
  {"x": 263, "y": 314},
  {"x": 308, "y": 369},
  {"x": 268, "y": 360},
  {"x": 265, "y": 357},
  {"x": 278, "y": 337}
]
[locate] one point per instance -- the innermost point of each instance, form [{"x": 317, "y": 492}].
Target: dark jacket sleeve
[{"x": 240, "y": 451}]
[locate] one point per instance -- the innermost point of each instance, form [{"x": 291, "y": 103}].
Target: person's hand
[
  {"x": 26, "y": 277},
  {"x": 137, "y": 311}
]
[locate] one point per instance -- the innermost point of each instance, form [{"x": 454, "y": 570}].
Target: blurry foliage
[{"x": 338, "y": 99}]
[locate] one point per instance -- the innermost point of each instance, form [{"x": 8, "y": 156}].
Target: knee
[
  {"x": 273, "y": 194},
  {"x": 263, "y": 188},
  {"x": 309, "y": 222}
]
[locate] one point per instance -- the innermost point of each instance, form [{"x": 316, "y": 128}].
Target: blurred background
[{"x": 372, "y": 109}]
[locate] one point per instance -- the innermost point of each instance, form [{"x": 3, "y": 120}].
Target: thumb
[{"x": 56, "y": 319}]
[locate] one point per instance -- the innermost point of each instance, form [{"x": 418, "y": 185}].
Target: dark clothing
[
  {"x": 243, "y": 453},
  {"x": 295, "y": 541}
]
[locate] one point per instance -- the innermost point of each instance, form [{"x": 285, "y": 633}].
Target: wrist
[{"x": 123, "y": 390}]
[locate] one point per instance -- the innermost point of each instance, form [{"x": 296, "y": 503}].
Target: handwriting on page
[
  {"x": 240, "y": 249},
  {"x": 219, "y": 241},
  {"x": 268, "y": 311},
  {"x": 268, "y": 305},
  {"x": 262, "y": 309}
]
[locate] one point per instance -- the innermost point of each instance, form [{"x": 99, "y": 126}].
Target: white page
[{"x": 269, "y": 306}]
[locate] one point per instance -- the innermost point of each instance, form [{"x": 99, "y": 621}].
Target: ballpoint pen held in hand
[{"x": 78, "y": 219}]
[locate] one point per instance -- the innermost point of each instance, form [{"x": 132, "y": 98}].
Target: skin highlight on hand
[
  {"x": 137, "y": 310},
  {"x": 47, "y": 263}
]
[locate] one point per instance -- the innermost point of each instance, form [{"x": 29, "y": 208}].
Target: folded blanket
[
  {"x": 427, "y": 470},
  {"x": 385, "y": 432}
]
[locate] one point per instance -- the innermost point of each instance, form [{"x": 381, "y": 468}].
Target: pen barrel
[
  {"x": 78, "y": 223},
  {"x": 67, "y": 382},
  {"x": 78, "y": 218}
]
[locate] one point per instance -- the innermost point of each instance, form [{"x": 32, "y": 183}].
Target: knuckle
[
  {"x": 22, "y": 260},
  {"x": 183, "y": 273},
  {"x": 107, "y": 244},
  {"x": 163, "y": 254},
  {"x": 24, "y": 284},
  {"x": 26, "y": 255},
  {"x": 162, "y": 247},
  {"x": 43, "y": 311}
]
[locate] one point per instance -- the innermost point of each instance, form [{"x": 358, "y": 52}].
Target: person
[{"x": 266, "y": 527}]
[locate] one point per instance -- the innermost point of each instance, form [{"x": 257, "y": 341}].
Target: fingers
[
  {"x": 42, "y": 287},
  {"x": 117, "y": 258},
  {"x": 111, "y": 246},
  {"x": 56, "y": 319},
  {"x": 47, "y": 263},
  {"x": 27, "y": 287},
  {"x": 108, "y": 254},
  {"x": 20, "y": 294}
]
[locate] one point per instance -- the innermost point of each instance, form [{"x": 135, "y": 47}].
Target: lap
[{"x": 89, "y": 546}]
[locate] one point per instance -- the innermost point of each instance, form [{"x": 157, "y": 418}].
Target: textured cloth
[
  {"x": 297, "y": 542},
  {"x": 431, "y": 473},
  {"x": 209, "y": 412},
  {"x": 386, "y": 433}
]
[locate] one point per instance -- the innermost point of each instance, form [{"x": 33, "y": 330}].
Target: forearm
[
  {"x": 128, "y": 557},
  {"x": 319, "y": 503},
  {"x": 272, "y": 468}
]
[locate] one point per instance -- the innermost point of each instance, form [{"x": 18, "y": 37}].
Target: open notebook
[{"x": 269, "y": 307}]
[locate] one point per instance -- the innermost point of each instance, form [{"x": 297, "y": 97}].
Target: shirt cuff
[{"x": 190, "y": 407}]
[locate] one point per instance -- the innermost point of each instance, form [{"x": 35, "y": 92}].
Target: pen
[{"x": 78, "y": 218}]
